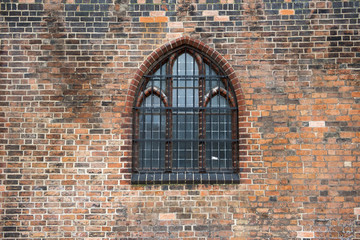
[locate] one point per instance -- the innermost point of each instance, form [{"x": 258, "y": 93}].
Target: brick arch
[{"x": 164, "y": 49}]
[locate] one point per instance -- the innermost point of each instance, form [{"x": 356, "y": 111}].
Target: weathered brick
[{"x": 70, "y": 72}]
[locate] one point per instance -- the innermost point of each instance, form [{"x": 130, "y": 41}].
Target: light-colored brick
[
  {"x": 317, "y": 124},
  {"x": 210, "y": 13},
  {"x": 357, "y": 211},
  {"x": 305, "y": 234},
  {"x": 221, "y": 18},
  {"x": 157, "y": 13},
  {"x": 167, "y": 216},
  {"x": 176, "y": 24}
]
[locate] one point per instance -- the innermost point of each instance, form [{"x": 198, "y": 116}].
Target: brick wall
[{"x": 68, "y": 71}]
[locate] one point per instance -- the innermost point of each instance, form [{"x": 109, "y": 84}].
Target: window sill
[{"x": 185, "y": 178}]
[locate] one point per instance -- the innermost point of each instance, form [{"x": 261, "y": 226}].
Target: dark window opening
[{"x": 185, "y": 123}]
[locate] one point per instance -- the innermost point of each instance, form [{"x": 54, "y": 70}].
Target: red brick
[
  {"x": 355, "y": 94},
  {"x": 67, "y": 95}
]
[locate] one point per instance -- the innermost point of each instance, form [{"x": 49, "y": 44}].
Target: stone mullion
[
  {"x": 202, "y": 120},
  {"x": 169, "y": 115}
]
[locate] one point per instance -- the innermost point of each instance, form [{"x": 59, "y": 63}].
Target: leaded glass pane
[
  {"x": 186, "y": 137},
  {"x": 212, "y": 79},
  {"x": 158, "y": 79},
  {"x": 152, "y": 130},
  {"x": 185, "y": 64},
  {"x": 218, "y": 127}
]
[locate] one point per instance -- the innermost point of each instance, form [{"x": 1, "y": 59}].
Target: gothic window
[{"x": 185, "y": 122}]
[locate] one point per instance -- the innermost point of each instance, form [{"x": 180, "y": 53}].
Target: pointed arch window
[{"x": 185, "y": 122}]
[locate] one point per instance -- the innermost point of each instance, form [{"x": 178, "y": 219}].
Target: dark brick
[
  {"x": 348, "y": 193},
  {"x": 11, "y": 235},
  {"x": 35, "y": 7}
]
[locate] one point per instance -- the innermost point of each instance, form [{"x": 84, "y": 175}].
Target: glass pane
[
  {"x": 152, "y": 101},
  {"x": 152, "y": 133},
  {"x": 185, "y": 155},
  {"x": 185, "y": 125},
  {"x": 212, "y": 80},
  {"x": 161, "y": 71},
  {"x": 218, "y": 135},
  {"x": 219, "y": 102},
  {"x": 186, "y": 138},
  {"x": 186, "y": 65},
  {"x": 151, "y": 155},
  {"x": 158, "y": 79},
  {"x": 185, "y": 97},
  {"x": 185, "y": 82}
]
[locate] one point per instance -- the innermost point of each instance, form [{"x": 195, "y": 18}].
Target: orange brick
[
  {"x": 146, "y": 19},
  {"x": 293, "y": 158},
  {"x": 281, "y": 129},
  {"x": 82, "y": 176},
  {"x": 287, "y": 12},
  {"x": 161, "y": 19},
  {"x": 115, "y": 165},
  {"x": 355, "y": 94},
  {"x": 69, "y": 159},
  {"x": 68, "y": 182},
  {"x": 71, "y": 217},
  {"x": 38, "y": 234},
  {"x": 280, "y": 107}
]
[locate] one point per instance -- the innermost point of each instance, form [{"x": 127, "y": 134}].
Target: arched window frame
[{"x": 202, "y": 175}]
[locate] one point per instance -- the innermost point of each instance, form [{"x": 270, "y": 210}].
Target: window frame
[{"x": 203, "y": 175}]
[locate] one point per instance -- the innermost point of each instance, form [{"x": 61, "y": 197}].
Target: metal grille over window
[{"x": 185, "y": 122}]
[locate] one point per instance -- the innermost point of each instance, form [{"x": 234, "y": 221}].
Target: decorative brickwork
[{"x": 69, "y": 70}]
